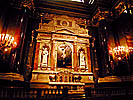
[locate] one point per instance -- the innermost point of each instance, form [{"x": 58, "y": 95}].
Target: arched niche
[
  {"x": 44, "y": 55},
  {"x": 82, "y": 59}
]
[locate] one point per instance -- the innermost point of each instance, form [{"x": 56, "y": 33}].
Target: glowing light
[
  {"x": 130, "y": 49},
  {"x": 3, "y": 35},
  {"x": 15, "y": 44},
  {"x": 125, "y": 11},
  {"x": 119, "y": 58},
  {"x": 22, "y": 20},
  {"x": 7, "y": 40},
  {"x": 5, "y": 49},
  {"x": 6, "y": 36},
  {"x": 120, "y": 52},
  {"x": 91, "y": 1},
  {"x": 78, "y": 0}
]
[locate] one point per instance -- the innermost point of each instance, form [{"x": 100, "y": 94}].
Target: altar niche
[
  {"x": 44, "y": 57},
  {"x": 82, "y": 59},
  {"x": 64, "y": 56}
]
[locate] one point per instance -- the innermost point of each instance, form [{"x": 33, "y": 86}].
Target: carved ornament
[
  {"x": 120, "y": 7},
  {"x": 99, "y": 16},
  {"x": 79, "y": 21},
  {"x": 22, "y": 3},
  {"x": 62, "y": 24}
]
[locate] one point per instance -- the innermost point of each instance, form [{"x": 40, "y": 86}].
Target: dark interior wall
[
  {"x": 121, "y": 28},
  {"x": 19, "y": 22},
  {"x": 8, "y": 25},
  {"x": 110, "y": 35},
  {"x": 13, "y": 21},
  {"x": 101, "y": 45}
]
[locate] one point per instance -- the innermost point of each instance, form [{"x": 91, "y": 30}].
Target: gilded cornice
[
  {"x": 62, "y": 24},
  {"x": 79, "y": 21},
  {"x": 22, "y": 3},
  {"x": 120, "y": 7},
  {"x": 110, "y": 14},
  {"x": 28, "y": 3},
  {"x": 100, "y": 15}
]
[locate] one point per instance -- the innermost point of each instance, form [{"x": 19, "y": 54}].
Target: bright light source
[
  {"x": 91, "y": 1},
  {"x": 121, "y": 52},
  {"x": 119, "y": 58},
  {"x": 15, "y": 44},
  {"x": 125, "y": 11},
  {"x": 7, "y": 40},
  {"x": 5, "y": 49},
  {"x": 130, "y": 11},
  {"x": 78, "y": 0}
]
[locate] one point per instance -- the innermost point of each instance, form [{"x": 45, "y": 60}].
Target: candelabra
[
  {"x": 7, "y": 42},
  {"x": 121, "y": 52}
]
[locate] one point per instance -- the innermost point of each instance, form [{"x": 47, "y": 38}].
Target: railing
[
  {"x": 33, "y": 93},
  {"x": 109, "y": 92},
  {"x": 25, "y": 93}
]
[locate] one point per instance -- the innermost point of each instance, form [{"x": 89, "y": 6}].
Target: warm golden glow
[
  {"x": 119, "y": 58},
  {"x": 121, "y": 51},
  {"x": 6, "y": 49},
  {"x": 78, "y": 0},
  {"x": 130, "y": 49},
  {"x": 7, "y": 40}
]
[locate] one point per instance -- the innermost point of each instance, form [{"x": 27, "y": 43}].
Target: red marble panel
[{"x": 36, "y": 56}]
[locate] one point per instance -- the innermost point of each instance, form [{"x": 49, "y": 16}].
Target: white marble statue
[
  {"x": 82, "y": 60},
  {"x": 44, "y": 57}
]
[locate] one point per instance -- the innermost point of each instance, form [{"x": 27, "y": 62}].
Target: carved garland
[{"x": 79, "y": 21}]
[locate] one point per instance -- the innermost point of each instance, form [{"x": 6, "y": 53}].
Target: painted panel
[{"x": 64, "y": 56}]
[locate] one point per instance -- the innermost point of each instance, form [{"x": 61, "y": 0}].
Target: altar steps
[
  {"x": 76, "y": 95},
  {"x": 11, "y": 76}
]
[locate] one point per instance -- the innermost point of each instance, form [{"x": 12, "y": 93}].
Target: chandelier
[
  {"x": 7, "y": 41},
  {"x": 121, "y": 52}
]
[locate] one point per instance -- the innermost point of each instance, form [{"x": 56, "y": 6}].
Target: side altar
[{"x": 62, "y": 51}]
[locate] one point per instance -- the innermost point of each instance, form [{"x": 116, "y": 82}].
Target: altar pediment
[{"x": 65, "y": 31}]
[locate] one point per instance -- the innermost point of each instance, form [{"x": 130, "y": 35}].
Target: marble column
[
  {"x": 36, "y": 56},
  {"x": 75, "y": 56},
  {"x": 52, "y": 55},
  {"x": 88, "y": 58}
]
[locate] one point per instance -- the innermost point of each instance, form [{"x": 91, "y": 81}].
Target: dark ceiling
[
  {"x": 71, "y": 8},
  {"x": 66, "y": 7}
]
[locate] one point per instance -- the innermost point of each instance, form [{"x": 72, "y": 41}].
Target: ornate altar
[{"x": 62, "y": 47}]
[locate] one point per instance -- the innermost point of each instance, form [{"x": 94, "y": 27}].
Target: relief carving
[{"x": 61, "y": 22}]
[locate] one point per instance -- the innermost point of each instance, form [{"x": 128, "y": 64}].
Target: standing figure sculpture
[
  {"x": 82, "y": 60},
  {"x": 44, "y": 57}
]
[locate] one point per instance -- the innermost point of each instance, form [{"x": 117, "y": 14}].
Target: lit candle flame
[
  {"x": 121, "y": 51},
  {"x": 7, "y": 40}
]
